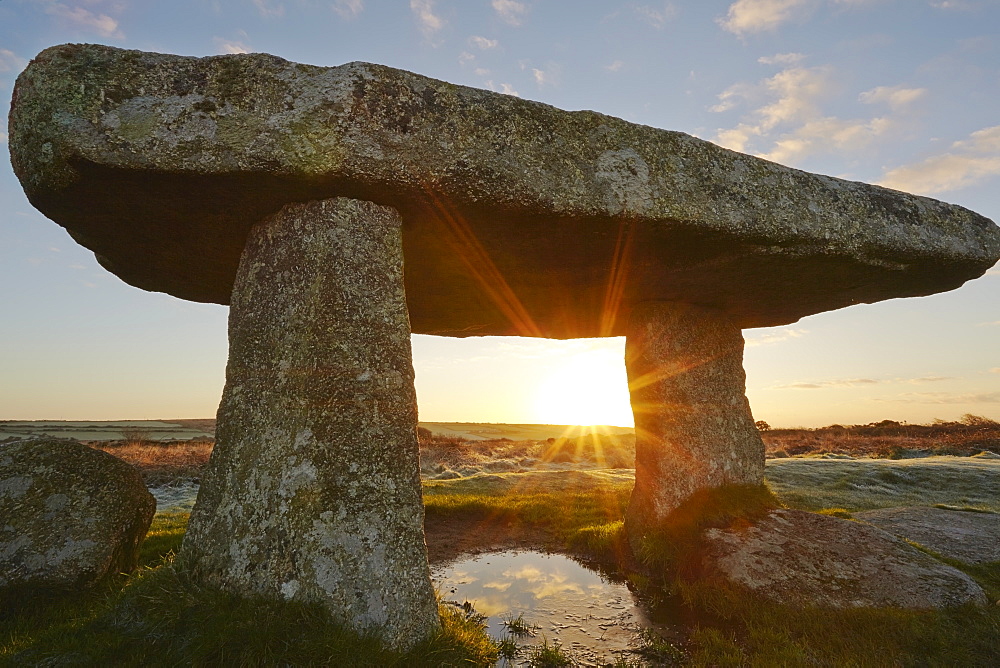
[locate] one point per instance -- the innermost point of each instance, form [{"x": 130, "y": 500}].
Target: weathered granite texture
[
  {"x": 313, "y": 489},
  {"x": 520, "y": 218},
  {"x": 70, "y": 515},
  {"x": 966, "y": 536},
  {"x": 693, "y": 427},
  {"x": 804, "y": 558}
]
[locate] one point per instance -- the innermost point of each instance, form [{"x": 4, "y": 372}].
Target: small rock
[
  {"x": 71, "y": 515},
  {"x": 802, "y": 558}
]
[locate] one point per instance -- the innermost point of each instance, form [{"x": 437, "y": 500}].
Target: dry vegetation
[
  {"x": 446, "y": 457},
  {"x": 162, "y": 463},
  {"x": 888, "y": 439}
]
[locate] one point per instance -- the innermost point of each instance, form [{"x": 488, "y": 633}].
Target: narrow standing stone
[
  {"x": 313, "y": 490},
  {"x": 693, "y": 426}
]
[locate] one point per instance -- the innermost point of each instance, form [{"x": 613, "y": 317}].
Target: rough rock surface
[
  {"x": 70, "y": 515},
  {"x": 313, "y": 489},
  {"x": 970, "y": 537},
  {"x": 520, "y": 218},
  {"x": 693, "y": 427},
  {"x": 804, "y": 558}
]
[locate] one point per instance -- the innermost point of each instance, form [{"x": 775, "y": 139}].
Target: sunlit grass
[{"x": 867, "y": 484}]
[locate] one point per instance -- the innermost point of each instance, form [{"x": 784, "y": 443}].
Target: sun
[{"x": 588, "y": 388}]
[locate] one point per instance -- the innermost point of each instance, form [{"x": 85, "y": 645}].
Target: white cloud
[
  {"x": 481, "y": 72},
  {"x": 750, "y": 16},
  {"x": 505, "y": 88},
  {"x": 3, "y": 137},
  {"x": 429, "y": 22},
  {"x": 897, "y": 97},
  {"x": 828, "y": 134},
  {"x": 549, "y": 76},
  {"x": 615, "y": 66},
  {"x": 510, "y": 11},
  {"x": 483, "y": 43},
  {"x": 268, "y": 9},
  {"x": 230, "y": 46},
  {"x": 465, "y": 58},
  {"x": 968, "y": 162},
  {"x": 657, "y": 17},
  {"x": 786, "y": 114},
  {"x": 348, "y": 9},
  {"x": 769, "y": 338},
  {"x": 102, "y": 24},
  {"x": 781, "y": 59}
]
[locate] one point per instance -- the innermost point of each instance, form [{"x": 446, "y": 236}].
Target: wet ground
[{"x": 595, "y": 620}]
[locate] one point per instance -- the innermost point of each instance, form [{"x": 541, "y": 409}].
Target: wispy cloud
[
  {"x": 861, "y": 382},
  {"x": 615, "y": 66},
  {"x": 657, "y": 16},
  {"x": 429, "y": 22},
  {"x": 504, "y": 88},
  {"x": 230, "y": 46},
  {"x": 483, "y": 43},
  {"x": 752, "y": 16},
  {"x": 102, "y": 24},
  {"x": 9, "y": 62},
  {"x": 3, "y": 137},
  {"x": 269, "y": 9},
  {"x": 896, "y": 97},
  {"x": 944, "y": 398},
  {"x": 966, "y": 163},
  {"x": 995, "y": 369},
  {"x": 781, "y": 59},
  {"x": 845, "y": 382},
  {"x": 995, "y": 323},
  {"x": 510, "y": 11},
  {"x": 769, "y": 338},
  {"x": 348, "y": 9},
  {"x": 550, "y": 76},
  {"x": 787, "y": 113}
]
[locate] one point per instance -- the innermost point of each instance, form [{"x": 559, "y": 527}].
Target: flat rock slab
[
  {"x": 973, "y": 538},
  {"x": 519, "y": 218},
  {"x": 70, "y": 515},
  {"x": 802, "y": 558}
]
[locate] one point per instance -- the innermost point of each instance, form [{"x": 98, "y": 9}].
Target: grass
[
  {"x": 161, "y": 618},
  {"x": 866, "y": 484},
  {"x": 158, "y": 617}
]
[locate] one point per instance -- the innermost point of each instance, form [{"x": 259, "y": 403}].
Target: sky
[{"x": 902, "y": 93}]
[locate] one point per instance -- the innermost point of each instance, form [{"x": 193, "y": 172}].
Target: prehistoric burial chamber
[{"x": 294, "y": 192}]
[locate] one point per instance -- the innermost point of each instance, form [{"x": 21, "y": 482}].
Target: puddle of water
[{"x": 594, "y": 619}]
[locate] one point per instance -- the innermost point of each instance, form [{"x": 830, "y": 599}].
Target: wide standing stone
[
  {"x": 313, "y": 490},
  {"x": 70, "y": 516},
  {"x": 693, "y": 427}
]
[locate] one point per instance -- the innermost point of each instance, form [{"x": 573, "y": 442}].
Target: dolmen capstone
[
  {"x": 293, "y": 193},
  {"x": 70, "y": 517}
]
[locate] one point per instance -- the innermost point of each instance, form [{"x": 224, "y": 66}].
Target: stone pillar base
[
  {"x": 693, "y": 426},
  {"x": 313, "y": 490}
]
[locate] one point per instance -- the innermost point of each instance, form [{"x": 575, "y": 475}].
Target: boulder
[
  {"x": 520, "y": 218},
  {"x": 970, "y": 537},
  {"x": 70, "y": 515},
  {"x": 800, "y": 558}
]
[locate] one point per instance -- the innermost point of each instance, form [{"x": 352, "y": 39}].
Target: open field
[{"x": 562, "y": 494}]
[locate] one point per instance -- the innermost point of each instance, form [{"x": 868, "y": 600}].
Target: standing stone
[
  {"x": 70, "y": 516},
  {"x": 313, "y": 490},
  {"x": 693, "y": 426}
]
